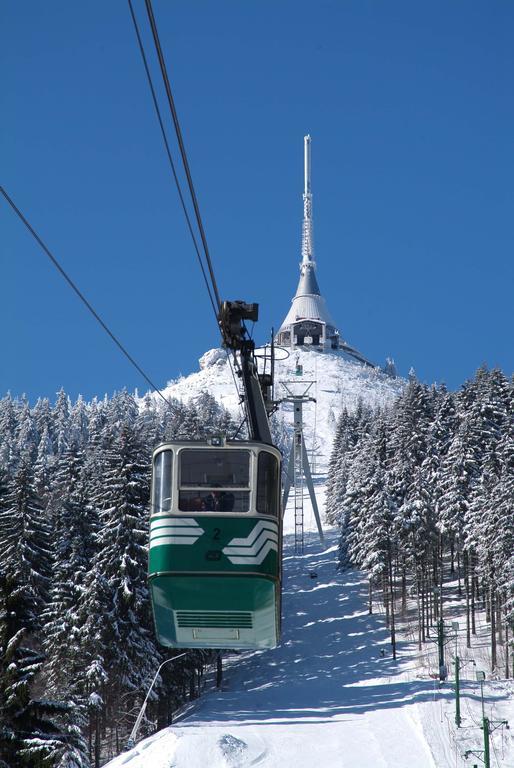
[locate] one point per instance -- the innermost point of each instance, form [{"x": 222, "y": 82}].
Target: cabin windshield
[
  {"x": 161, "y": 501},
  {"x": 214, "y": 480}
]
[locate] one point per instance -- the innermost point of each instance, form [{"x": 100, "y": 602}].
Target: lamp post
[
  {"x": 458, "y": 720},
  {"x": 485, "y": 722},
  {"x": 458, "y": 667},
  {"x": 488, "y": 726},
  {"x": 131, "y": 741}
]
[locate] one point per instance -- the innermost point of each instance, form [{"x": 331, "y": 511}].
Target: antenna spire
[
  {"x": 307, "y": 236},
  {"x": 307, "y": 164}
]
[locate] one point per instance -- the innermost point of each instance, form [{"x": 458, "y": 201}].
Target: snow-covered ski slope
[
  {"x": 327, "y": 696},
  {"x": 324, "y": 697},
  {"x": 337, "y": 383}
]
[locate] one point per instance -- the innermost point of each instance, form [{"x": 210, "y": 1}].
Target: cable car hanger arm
[{"x": 257, "y": 388}]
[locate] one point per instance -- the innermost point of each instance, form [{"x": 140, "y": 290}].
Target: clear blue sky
[{"x": 411, "y": 110}]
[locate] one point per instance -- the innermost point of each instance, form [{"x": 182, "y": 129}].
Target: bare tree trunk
[
  {"x": 404, "y": 590},
  {"x": 499, "y": 623},
  {"x": 459, "y": 589},
  {"x": 506, "y": 644},
  {"x": 219, "y": 669},
  {"x": 420, "y": 617},
  {"x": 473, "y": 593},
  {"x": 90, "y": 737},
  {"x": 435, "y": 581},
  {"x": 441, "y": 574},
  {"x": 370, "y": 596},
  {"x": 427, "y": 604},
  {"x": 391, "y": 585},
  {"x": 466, "y": 588},
  {"x": 386, "y": 599},
  {"x": 162, "y": 713},
  {"x": 97, "y": 740},
  {"x": 492, "y": 613}
]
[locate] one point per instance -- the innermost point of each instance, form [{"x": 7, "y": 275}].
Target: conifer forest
[
  {"x": 424, "y": 496},
  {"x": 422, "y": 492},
  {"x": 77, "y": 646}
]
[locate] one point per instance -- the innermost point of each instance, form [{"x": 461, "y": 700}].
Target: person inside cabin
[
  {"x": 196, "y": 504},
  {"x": 219, "y": 501}
]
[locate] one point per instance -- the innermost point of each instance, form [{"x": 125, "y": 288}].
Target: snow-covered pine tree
[
  {"x": 8, "y": 430},
  {"x": 74, "y": 526},
  {"x": 417, "y": 541},
  {"x": 61, "y": 422},
  {"x": 118, "y": 641},
  {"x": 410, "y": 422},
  {"x": 25, "y": 536},
  {"x": 337, "y": 475},
  {"x": 43, "y": 416},
  {"x": 150, "y": 424},
  {"x": 34, "y": 731},
  {"x": 27, "y": 436},
  {"x": 78, "y": 427},
  {"x": 353, "y": 544}
]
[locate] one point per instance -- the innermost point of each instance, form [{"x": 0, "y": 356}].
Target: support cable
[
  {"x": 80, "y": 294},
  {"x": 168, "y": 152},
  {"x": 182, "y": 148},
  {"x": 236, "y": 365},
  {"x": 153, "y": 25},
  {"x": 239, "y": 429}
]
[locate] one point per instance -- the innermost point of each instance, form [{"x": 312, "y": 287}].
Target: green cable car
[{"x": 215, "y": 544}]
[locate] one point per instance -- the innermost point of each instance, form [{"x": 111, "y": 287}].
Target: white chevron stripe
[
  {"x": 187, "y": 538},
  {"x": 268, "y": 547},
  {"x": 174, "y": 530},
  {"x": 173, "y": 540},
  {"x": 262, "y": 525},
  {"x": 178, "y": 521},
  {"x": 253, "y": 550}
]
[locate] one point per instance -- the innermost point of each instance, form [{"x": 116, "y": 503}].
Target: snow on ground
[
  {"x": 324, "y": 696},
  {"x": 449, "y": 743},
  {"x": 337, "y": 382},
  {"x": 327, "y": 696}
]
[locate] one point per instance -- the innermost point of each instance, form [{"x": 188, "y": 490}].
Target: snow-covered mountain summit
[{"x": 337, "y": 383}]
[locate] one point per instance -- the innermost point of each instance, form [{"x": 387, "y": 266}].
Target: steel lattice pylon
[
  {"x": 298, "y": 471},
  {"x": 298, "y": 493}
]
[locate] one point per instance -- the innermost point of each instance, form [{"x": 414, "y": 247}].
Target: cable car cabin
[{"x": 215, "y": 544}]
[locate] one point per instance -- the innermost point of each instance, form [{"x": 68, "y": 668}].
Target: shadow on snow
[{"x": 330, "y": 648}]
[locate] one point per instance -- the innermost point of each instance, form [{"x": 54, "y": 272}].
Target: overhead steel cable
[
  {"x": 182, "y": 148},
  {"x": 80, "y": 294},
  {"x": 185, "y": 162},
  {"x": 168, "y": 152}
]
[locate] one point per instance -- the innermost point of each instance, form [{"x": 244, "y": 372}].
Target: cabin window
[
  {"x": 217, "y": 500},
  {"x": 214, "y": 480},
  {"x": 267, "y": 484},
  {"x": 161, "y": 501},
  {"x": 214, "y": 468}
]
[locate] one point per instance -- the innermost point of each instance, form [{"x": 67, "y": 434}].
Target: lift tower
[{"x": 298, "y": 469}]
